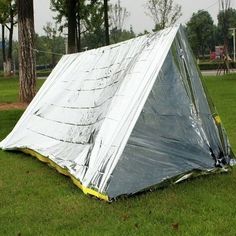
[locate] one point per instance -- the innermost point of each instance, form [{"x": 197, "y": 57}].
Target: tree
[
  {"x": 226, "y": 20},
  {"x": 106, "y": 23},
  {"x": 69, "y": 16},
  {"x": 200, "y": 30},
  {"x": 49, "y": 50},
  {"x": 76, "y": 19},
  {"x": 3, "y": 19},
  {"x": 121, "y": 35},
  {"x": 117, "y": 16},
  {"x": 93, "y": 35},
  {"x": 105, "y": 18},
  {"x": 164, "y": 13},
  {"x": 90, "y": 21},
  {"x": 52, "y": 42},
  {"x": 71, "y": 8},
  {"x": 27, "y": 75},
  {"x": 7, "y": 20},
  {"x": 223, "y": 18}
]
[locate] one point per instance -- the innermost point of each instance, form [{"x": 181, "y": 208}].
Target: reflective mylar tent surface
[{"x": 125, "y": 118}]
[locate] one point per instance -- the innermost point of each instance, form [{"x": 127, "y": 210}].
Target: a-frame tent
[{"x": 125, "y": 118}]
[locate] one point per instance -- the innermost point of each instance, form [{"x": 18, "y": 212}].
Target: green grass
[
  {"x": 9, "y": 89},
  {"x": 36, "y": 200},
  {"x": 223, "y": 92}
]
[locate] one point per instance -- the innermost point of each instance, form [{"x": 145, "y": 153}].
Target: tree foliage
[
  {"x": 226, "y": 20},
  {"x": 50, "y": 47},
  {"x": 223, "y": 19},
  {"x": 200, "y": 29},
  {"x": 49, "y": 50},
  {"x": 121, "y": 35},
  {"x": 4, "y": 11},
  {"x": 164, "y": 13},
  {"x": 90, "y": 21},
  {"x": 69, "y": 15},
  {"x": 204, "y": 35}
]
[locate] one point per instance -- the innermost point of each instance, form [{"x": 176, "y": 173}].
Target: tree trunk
[
  {"x": 26, "y": 35},
  {"x": 9, "y": 54},
  {"x": 71, "y": 6},
  {"x": 78, "y": 32},
  {"x": 3, "y": 50},
  {"x": 203, "y": 52},
  {"x": 53, "y": 58},
  {"x": 8, "y": 67},
  {"x": 225, "y": 6},
  {"x": 106, "y": 21}
]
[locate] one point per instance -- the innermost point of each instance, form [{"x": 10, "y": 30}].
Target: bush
[
  {"x": 43, "y": 73},
  {"x": 213, "y": 65}
]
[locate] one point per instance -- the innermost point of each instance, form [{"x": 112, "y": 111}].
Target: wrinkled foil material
[{"x": 126, "y": 117}]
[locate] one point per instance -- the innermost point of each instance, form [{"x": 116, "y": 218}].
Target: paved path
[
  {"x": 214, "y": 72},
  {"x": 209, "y": 72}
]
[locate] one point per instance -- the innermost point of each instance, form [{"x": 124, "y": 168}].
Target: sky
[{"x": 138, "y": 18}]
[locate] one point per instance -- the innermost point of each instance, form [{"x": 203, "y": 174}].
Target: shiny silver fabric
[
  {"x": 125, "y": 118},
  {"x": 176, "y": 132}
]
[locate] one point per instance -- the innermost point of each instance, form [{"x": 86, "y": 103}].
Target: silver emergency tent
[{"x": 125, "y": 118}]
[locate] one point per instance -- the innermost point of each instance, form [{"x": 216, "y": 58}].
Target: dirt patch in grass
[{"x": 13, "y": 105}]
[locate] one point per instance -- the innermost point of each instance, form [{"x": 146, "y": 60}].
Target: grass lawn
[
  {"x": 9, "y": 89},
  {"x": 36, "y": 200}
]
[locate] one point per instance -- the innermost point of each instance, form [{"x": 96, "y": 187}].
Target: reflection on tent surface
[{"x": 125, "y": 118}]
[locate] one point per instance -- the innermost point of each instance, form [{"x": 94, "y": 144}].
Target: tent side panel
[{"x": 175, "y": 133}]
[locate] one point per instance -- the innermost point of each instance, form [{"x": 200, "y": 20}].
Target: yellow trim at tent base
[
  {"x": 65, "y": 172},
  {"x": 217, "y": 119}
]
